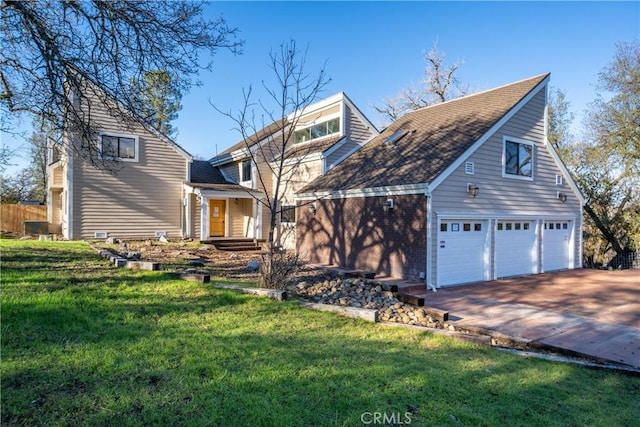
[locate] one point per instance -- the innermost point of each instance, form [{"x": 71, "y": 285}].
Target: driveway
[{"x": 593, "y": 313}]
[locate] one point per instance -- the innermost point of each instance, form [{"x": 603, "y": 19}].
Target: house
[
  {"x": 464, "y": 191},
  {"x": 231, "y": 195},
  {"x": 137, "y": 192},
  {"x": 154, "y": 187}
]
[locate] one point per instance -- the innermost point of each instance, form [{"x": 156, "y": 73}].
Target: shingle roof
[
  {"x": 256, "y": 137},
  {"x": 432, "y": 138},
  {"x": 203, "y": 173}
]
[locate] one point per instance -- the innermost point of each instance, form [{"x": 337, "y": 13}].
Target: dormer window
[{"x": 318, "y": 130}]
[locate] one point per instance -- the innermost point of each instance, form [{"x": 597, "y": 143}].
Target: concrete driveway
[{"x": 592, "y": 313}]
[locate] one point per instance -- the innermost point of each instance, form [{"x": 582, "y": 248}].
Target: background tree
[
  {"x": 281, "y": 110},
  {"x": 30, "y": 183},
  {"x": 438, "y": 85},
  {"x": 559, "y": 122},
  {"x": 52, "y": 51},
  {"x": 606, "y": 163},
  {"x": 158, "y": 100}
]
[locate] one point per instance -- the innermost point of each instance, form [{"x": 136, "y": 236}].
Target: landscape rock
[
  {"x": 363, "y": 293},
  {"x": 163, "y": 239},
  {"x": 110, "y": 240}
]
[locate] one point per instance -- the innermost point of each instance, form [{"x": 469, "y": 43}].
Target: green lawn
[{"x": 84, "y": 343}]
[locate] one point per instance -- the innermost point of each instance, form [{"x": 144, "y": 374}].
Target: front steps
[{"x": 236, "y": 245}]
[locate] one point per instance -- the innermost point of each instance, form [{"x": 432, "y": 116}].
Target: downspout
[{"x": 429, "y": 274}]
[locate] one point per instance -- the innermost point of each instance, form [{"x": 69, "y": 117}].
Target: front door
[{"x": 216, "y": 218}]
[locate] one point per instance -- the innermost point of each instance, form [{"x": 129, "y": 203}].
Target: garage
[
  {"x": 462, "y": 251},
  {"x": 515, "y": 248},
  {"x": 556, "y": 241}
]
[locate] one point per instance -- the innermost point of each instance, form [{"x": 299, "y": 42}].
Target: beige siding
[
  {"x": 296, "y": 178},
  {"x": 137, "y": 200},
  {"x": 232, "y": 171},
  {"x": 196, "y": 208},
  {"x": 357, "y": 132},
  {"x": 318, "y": 117},
  {"x": 355, "y": 128},
  {"x": 57, "y": 176},
  {"x": 500, "y": 196}
]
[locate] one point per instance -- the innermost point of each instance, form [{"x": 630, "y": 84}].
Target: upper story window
[
  {"x": 288, "y": 214},
  {"x": 245, "y": 170},
  {"x": 120, "y": 147},
  {"x": 318, "y": 130},
  {"x": 518, "y": 158}
]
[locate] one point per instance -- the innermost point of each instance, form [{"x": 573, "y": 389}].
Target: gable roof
[
  {"x": 98, "y": 94},
  {"x": 427, "y": 141}
]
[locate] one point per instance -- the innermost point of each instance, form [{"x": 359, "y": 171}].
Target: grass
[{"x": 84, "y": 343}]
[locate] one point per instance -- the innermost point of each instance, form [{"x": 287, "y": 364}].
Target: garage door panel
[
  {"x": 556, "y": 245},
  {"x": 515, "y": 249},
  {"x": 462, "y": 252}
]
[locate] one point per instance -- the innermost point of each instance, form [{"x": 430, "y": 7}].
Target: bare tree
[
  {"x": 268, "y": 135},
  {"x": 55, "y": 52},
  {"x": 438, "y": 85}
]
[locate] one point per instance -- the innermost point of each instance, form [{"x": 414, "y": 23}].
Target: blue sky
[{"x": 373, "y": 49}]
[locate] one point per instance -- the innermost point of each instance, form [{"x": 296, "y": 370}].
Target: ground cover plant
[{"x": 84, "y": 343}]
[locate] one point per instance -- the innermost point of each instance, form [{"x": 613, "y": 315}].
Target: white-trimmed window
[
  {"x": 288, "y": 214},
  {"x": 318, "y": 130},
  {"x": 245, "y": 170},
  {"x": 119, "y": 147},
  {"x": 517, "y": 158}
]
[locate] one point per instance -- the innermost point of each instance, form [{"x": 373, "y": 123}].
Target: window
[
  {"x": 443, "y": 226},
  {"x": 288, "y": 214},
  {"x": 245, "y": 172},
  {"x": 517, "y": 226},
  {"x": 466, "y": 227},
  {"x": 508, "y": 225},
  {"x": 500, "y": 226},
  {"x": 518, "y": 159},
  {"x": 120, "y": 147},
  {"x": 525, "y": 226},
  {"x": 318, "y": 130},
  {"x": 477, "y": 227}
]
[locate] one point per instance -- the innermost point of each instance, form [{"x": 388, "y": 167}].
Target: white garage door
[
  {"x": 515, "y": 248},
  {"x": 462, "y": 252},
  {"x": 556, "y": 240}
]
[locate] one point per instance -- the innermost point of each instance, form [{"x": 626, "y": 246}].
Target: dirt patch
[{"x": 201, "y": 258}]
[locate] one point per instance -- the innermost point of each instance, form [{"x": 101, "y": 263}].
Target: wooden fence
[{"x": 12, "y": 217}]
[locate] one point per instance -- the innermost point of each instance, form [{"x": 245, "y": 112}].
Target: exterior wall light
[
  {"x": 388, "y": 205},
  {"x": 473, "y": 190},
  {"x": 562, "y": 197},
  {"x": 313, "y": 208}
]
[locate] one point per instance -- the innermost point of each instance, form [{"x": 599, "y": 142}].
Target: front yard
[{"x": 84, "y": 343}]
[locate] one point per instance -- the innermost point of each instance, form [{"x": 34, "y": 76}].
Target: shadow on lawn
[{"x": 148, "y": 349}]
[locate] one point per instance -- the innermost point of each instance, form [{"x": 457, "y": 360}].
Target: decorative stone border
[{"x": 274, "y": 294}]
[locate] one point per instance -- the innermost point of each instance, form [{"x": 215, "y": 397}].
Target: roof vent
[{"x": 394, "y": 137}]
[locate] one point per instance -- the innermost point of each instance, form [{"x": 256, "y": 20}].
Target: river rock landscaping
[{"x": 363, "y": 293}]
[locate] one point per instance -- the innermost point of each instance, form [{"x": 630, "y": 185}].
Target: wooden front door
[{"x": 216, "y": 217}]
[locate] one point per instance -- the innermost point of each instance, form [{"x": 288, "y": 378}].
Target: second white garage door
[
  {"x": 515, "y": 252},
  {"x": 462, "y": 252}
]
